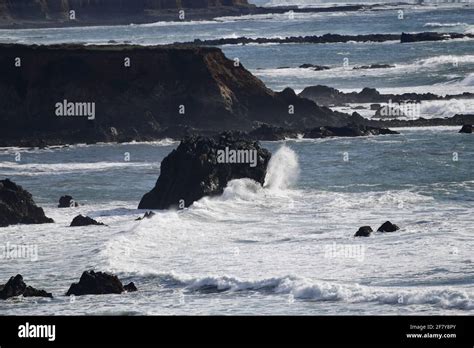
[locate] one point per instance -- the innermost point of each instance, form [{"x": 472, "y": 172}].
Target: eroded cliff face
[
  {"x": 47, "y": 9},
  {"x": 138, "y": 92}
]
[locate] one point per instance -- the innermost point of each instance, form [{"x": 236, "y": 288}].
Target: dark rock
[
  {"x": 148, "y": 215},
  {"x": 432, "y": 36},
  {"x": 98, "y": 283},
  {"x": 17, "y": 206},
  {"x": 388, "y": 227},
  {"x": 196, "y": 169},
  {"x": 84, "y": 221},
  {"x": 374, "y": 66},
  {"x": 17, "y": 287},
  {"x": 364, "y": 231},
  {"x": 314, "y": 67},
  {"x": 271, "y": 133},
  {"x": 347, "y": 131},
  {"x": 130, "y": 287},
  {"x": 215, "y": 95},
  {"x": 467, "y": 128},
  {"x": 313, "y": 39},
  {"x": 324, "y": 96},
  {"x": 67, "y": 202}
]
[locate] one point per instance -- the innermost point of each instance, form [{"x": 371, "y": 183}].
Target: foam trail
[{"x": 283, "y": 169}]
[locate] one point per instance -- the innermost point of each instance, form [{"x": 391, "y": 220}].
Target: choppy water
[
  {"x": 271, "y": 250},
  {"x": 286, "y": 248}
]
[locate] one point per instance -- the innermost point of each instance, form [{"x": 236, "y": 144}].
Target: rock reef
[
  {"x": 202, "y": 166},
  {"x": 18, "y": 207}
]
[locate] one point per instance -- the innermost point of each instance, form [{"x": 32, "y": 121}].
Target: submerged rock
[
  {"x": 17, "y": 287},
  {"x": 148, "y": 215},
  {"x": 271, "y": 133},
  {"x": 347, "y": 131},
  {"x": 99, "y": 283},
  {"x": 84, "y": 221},
  {"x": 467, "y": 128},
  {"x": 202, "y": 166},
  {"x": 17, "y": 206},
  {"x": 67, "y": 202},
  {"x": 314, "y": 67},
  {"x": 374, "y": 66},
  {"x": 364, "y": 231},
  {"x": 388, "y": 227}
]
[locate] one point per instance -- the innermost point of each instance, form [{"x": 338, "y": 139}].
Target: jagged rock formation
[
  {"x": 364, "y": 231},
  {"x": 324, "y": 95},
  {"x": 80, "y": 221},
  {"x": 432, "y": 36},
  {"x": 17, "y": 287},
  {"x": 164, "y": 91},
  {"x": 17, "y": 206},
  {"x": 198, "y": 168},
  {"x": 99, "y": 283},
  {"x": 388, "y": 227}
]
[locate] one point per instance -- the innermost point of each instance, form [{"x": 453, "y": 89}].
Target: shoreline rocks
[
  {"x": 99, "y": 283},
  {"x": 347, "y": 131},
  {"x": 388, "y": 227},
  {"x": 202, "y": 166},
  {"x": 67, "y": 202},
  {"x": 18, "y": 207},
  {"x": 364, "y": 231},
  {"x": 196, "y": 88},
  {"x": 432, "y": 36},
  {"x": 467, "y": 128},
  {"x": 81, "y": 220},
  {"x": 325, "y": 96},
  {"x": 17, "y": 287}
]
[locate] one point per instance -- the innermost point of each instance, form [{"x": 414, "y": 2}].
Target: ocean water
[{"x": 287, "y": 247}]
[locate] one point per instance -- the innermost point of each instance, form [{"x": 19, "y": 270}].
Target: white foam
[
  {"x": 315, "y": 290},
  {"x": 444, "y": 25},
  {"x": 283, "y": 169},
  {"x": 32, "y": 169}
]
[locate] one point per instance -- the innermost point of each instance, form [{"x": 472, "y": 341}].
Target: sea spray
[{"x": 283, "y": 169}]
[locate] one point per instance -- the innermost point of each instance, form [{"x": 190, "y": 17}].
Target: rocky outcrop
[
  {"x": 325, "y": 96},
  {"x": 17, "y": 206},
  {"x": 312, "y": 39},
  {"x": 364, "y": 231},
  {"x": 99, "y": 283},
  {"x": 203, "y": 166},
  {"x": 432, "y": 36},
  {"x": 148, "y": 215},
  {"x": 388, "y": 227},
  {"x": 373, "y": 66},
  {"x": 467, "y": 128},
  {"x": 17, "y": 287},
  {"x": 190, "y": 88},
  {"x": 267, "y": 132},
  {"x": 80, "y": 220},
  {"x": 347, "y": 131},
  {"x": 56, "y": 10},
  {"x": 48, "y": 13},
  {"x": 67, "y": 202}
]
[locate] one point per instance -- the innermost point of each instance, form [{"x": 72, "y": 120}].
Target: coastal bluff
[{"x": 65, "y": 94}]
